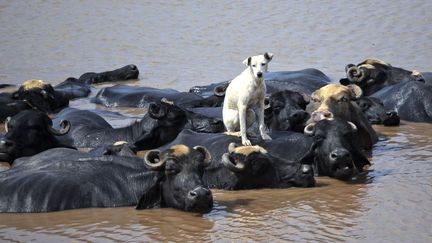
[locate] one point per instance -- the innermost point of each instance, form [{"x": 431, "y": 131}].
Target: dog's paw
[
  {"x": 235, "y": 134},
  {"x": 266, "y": 136},
  {"x": 246, "y": 142}
]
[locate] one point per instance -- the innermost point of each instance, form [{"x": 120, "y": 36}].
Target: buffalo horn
[
  {"x": 65, "y": 124},
  {"x": 152, "y": 160}
]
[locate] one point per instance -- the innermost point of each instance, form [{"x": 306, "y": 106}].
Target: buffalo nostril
[
  {"x": 6, "y": 143},
  {"x": 193, "y": 194},
  {"x": 306, "y": 169},
  {"x": 328, "y": 115},
  {"x": 333, "y": 155},
  {"x": 391, "y": 113}
]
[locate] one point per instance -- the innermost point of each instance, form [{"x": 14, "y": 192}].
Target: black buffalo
[
  {"x": 412, "y": 100},
  {"x": 28, "y": 133},
  {"x": 135, "y": 96},
  {"x": 62, "y": 179},
  {"x": 82, "y": 87},
  {"x": 304, "y": 81},
  {"x": 10, "y": 106},
  {"x": 159, "y": 126},
  {"x": 336, "y": 148},
  {"x": 246, "y": 167},
  {"x": 41, "y": 95},
  {"x": 373, "y": 74},
  {"x": 286, "y": 111},
  {"x": 406, "y": 92},
  {"x": 374, "y": 110}
]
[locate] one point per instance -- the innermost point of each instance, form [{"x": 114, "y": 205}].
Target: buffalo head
[
  {"x": 373, "y": 108},
  {"x": 286, "y": 111},
  {"x": 335, "y": 148},
  {"x": 41, "y": 95},
  {"x": 28, "y": 133},
  {"x": 253, "y": 167},
  {"x": 181, "y": 187}
]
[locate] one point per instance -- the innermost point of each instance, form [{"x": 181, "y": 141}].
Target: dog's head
[{"x": 258, "y": 64}]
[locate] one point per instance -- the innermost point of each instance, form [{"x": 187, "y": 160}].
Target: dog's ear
[
  {"x": 268, "y": 56},
  {"x": 247, "y": 61}
]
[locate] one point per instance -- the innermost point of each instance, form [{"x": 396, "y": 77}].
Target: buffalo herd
[{"x": 64, "y": 158}]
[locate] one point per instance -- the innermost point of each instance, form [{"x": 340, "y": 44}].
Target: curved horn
[
  {"x": 152, "y": 160},
  {"x": 353, "y": 126},
  {"x": 348, "y": 67},
  {"x": 6, "y": 123},
  {"x": 220, "y": 90},
  {"x": 157, "y": 111},
  {"x": 227, "y": 162},
  {"x": 231, "y": 147},
  {"x": 206, "y": 153},
  {"x": 308, "y": 130},
  {"x": 65, "y": 124}
]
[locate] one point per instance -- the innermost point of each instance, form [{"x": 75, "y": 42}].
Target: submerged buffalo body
[
  {"x": 61, "y": 179},
  {"x": 412, "y": 100},
  {"x": 304, "y": 81},
  {"x": 134, "y": 96},
  {"x": 159, "y": 126}
]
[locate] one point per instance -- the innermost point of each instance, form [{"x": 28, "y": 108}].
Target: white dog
[{"x": 245, "y": 92}]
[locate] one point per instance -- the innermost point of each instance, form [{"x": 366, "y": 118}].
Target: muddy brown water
[{"x": 179, "y": 44}]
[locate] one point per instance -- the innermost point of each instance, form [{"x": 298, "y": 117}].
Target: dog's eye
[
  {"x": 253, "y": 65},
  {"x": 263, "y": 64}
]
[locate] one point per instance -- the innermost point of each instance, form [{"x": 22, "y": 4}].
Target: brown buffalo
[{"x": 338, "y": 101}]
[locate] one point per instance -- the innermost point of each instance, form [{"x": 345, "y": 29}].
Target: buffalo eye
[
  {"x": 316, "y": 100},
  {"x": 172, "y": 167},
  {"x": 318, "y": 137},
  {"x": 344, "y": 99}
]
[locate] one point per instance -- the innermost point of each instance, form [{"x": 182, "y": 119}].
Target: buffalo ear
[
  {"x": 356, "y": 91},
  {"x": 247, "y": 61},
  {"x": 151, "y": 198},
  {"x": 344, "y": 81}
]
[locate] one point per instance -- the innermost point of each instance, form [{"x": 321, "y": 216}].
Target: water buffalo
[
  {"x": 246, "y": 167},
  {"x": 134, "y": 96},
  {"x": 335, "y": 148},
  {"x": 335, "y": 100},
  {"x": 82, "y": 87},
  {"x": 11, "y": 107},
  {"x": 41, "y": 96},
  {"x": 62, "y": 179},
  {"x": 374, "y": 110},
  {"x": 304, "y": 81},
  {"x": 373, "y": 74},
  {"x": 28, "y": 133},
  {"x": 286, "y": 111},
  {"x": 159, "y": 126},
  {"x": 411, "y": 100}
]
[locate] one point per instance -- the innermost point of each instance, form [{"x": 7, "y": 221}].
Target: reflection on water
[{"x": 178, "y": 44}]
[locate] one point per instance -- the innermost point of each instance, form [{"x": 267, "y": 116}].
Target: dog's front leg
[
  {"x": 262, "y": 127},
  {"x": 242, "y": 117}
]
